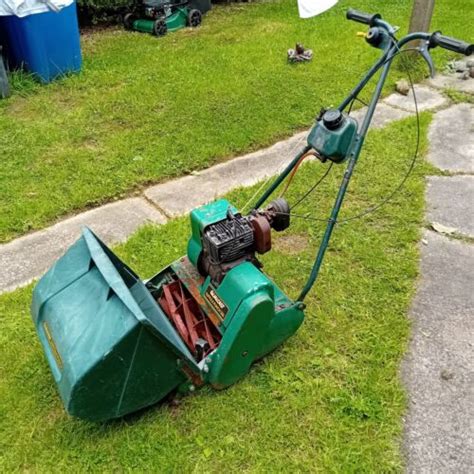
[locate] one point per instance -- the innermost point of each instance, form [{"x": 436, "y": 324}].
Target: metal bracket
[{"x": 425, "y": 53}]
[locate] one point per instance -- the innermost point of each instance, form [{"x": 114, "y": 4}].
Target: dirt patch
[{"x": 291, "y": 244}]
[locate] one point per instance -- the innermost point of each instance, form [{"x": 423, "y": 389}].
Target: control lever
[{"x": 425, "y": 53}]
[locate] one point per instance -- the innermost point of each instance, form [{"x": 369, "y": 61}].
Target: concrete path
[
  {"x": 439, "y": 367},
  {"x": 438, "y": 370},
  {"x": 452, "y": 140},
  {"x": 450, "y": 201}
]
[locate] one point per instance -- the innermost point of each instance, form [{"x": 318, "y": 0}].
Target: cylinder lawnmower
[
  {"x": 160, "y": 16},
  {"x": 116, "y": 344}
]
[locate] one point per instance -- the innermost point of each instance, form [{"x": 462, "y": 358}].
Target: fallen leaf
[{"x": 443, "y": 229}]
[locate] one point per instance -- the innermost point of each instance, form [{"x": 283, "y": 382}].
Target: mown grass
[
  {"x": 146, "y": 109},
  {"x": 329, "y": 400}
]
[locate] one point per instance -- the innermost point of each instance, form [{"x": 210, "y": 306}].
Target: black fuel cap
[{"x": 332, "y": 118}]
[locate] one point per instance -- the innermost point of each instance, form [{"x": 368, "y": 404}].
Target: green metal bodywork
[
  {"x": 111, "y": 347},
  {"x": 174, "y": 22},
  {"x": 178, "y": 19},
  {"x": 143, "y": 25},
  {"x": 259, "y": 315},
  {"x": 201, "y": 217},
  {"x": 259, "y": 318}
]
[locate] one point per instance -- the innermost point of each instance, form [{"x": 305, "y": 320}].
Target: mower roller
[
  {"x": 157, "y": 17},
  {"x": 116, "y": 344}
]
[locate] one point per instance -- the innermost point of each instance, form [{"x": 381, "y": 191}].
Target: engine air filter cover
[{"x": 229, "y": 239}]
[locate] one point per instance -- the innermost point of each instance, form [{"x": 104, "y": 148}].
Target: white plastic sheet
[
  {"x": 23, "y": 8},
  {"x": 309, "y": 8}
]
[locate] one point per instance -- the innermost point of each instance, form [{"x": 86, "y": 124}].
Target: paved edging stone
[
  {"x": 426, "y": 99},
  {"x": 384, "y": 114},
  {"x": 452, "y": 82},
  {"x": 450, "y": 202},
  {"x": 28, "y": 257},
  {"x": 451, "y": 139},
  {"x": 195, "y": 190},
  {"x": 438, "y": 369}
]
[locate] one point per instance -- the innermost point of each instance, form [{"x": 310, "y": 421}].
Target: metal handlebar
[
  {"x": 436, "y": 39},
  {"x": 452, "y": 44},
  {"x": 390, "y": 47},
  {"x": 361, "y": 17}
]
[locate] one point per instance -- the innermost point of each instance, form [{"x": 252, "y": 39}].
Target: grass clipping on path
[
  {"x": 146, "y": 109},
  {"x": 328, "y": 400}
]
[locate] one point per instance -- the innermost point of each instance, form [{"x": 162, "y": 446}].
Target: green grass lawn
[
  {"x": 146, "y": 109},
  {"x": 329, "y": 400}
]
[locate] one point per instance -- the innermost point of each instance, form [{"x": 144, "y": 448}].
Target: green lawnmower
[
  {"x": 116, "y": 343},
  {"x": 160, "y": 16}
]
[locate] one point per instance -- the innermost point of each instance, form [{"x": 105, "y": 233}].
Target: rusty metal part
[
  {"x": 171, "y": 307},
  {"x": 195, "y": 379},
  {"x": 186, "y": 315},
  {"x": 193, "y": 281},
  {"x": 262, "y": 233}
]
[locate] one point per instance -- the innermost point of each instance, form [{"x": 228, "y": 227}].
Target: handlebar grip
[
  {"x": 453, "y": 44},
  {"x": 361, "y": 17}
]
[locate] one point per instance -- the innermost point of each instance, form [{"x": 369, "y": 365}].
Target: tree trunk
[{"x": 421, "y": 15}]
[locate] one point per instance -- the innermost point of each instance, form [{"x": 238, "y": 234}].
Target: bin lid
[{"x": 21, "y": 8}]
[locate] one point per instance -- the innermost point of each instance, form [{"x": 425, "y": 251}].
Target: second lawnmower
[{"x": 160, "y": 16}]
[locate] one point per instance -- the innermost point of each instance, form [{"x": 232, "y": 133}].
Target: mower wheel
[
  {"x": 128, "y": 20},
  {"x": 194, "y": 18},
  {"x": 160, "y": 28}
]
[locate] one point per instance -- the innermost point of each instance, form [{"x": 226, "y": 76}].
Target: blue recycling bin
[{"x": 44, "y": 44}]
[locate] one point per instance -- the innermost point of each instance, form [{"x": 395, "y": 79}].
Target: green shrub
[
  {"x": 103, "y": 4},
  {"x": 101, "y": 11}
]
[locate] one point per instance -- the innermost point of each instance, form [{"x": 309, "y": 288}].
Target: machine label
[
  {"x": 52, "y": 344},
  {"x": 217, "y": 304}
]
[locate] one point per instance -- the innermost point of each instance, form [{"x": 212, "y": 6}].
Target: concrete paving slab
[
  {"x": 28, "y": 257},
  {"x": 384, "y": 114},
  {"x": 450, "y": 201},
  {"x": 438, "y": 370},
  {"x": 451, "y": 138},
  {"x": 182, "y": 195},
  {"x": 427, "y": 99},
  {"x": 442, "y": 81}
]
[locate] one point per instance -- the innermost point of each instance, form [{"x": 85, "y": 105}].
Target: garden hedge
[{"x": 100, "y": 11}]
